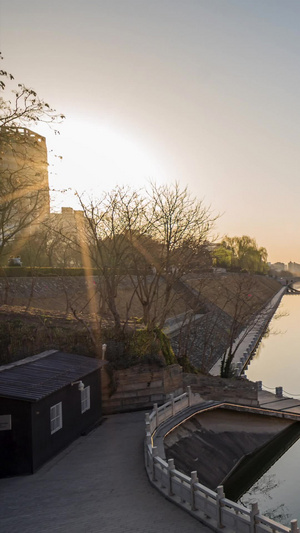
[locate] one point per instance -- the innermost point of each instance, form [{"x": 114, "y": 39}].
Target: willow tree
[{"x": 245, "y": 254}]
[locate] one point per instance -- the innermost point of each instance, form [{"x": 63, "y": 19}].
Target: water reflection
[
  {"x": 255, "y": 478},
  {"x": 265, "y": 488},
  {"x": 276, "y": 363},
  {"x": 277, "y": 491}
]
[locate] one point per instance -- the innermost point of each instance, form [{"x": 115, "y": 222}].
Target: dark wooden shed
[{"x": 46, "y": 401}]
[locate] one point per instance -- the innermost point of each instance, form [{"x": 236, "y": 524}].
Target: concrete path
[
  {"x": 270, "y": 401},
  {"x": 98, "y": 484}
]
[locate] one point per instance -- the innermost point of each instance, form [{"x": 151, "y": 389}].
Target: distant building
[
  {"x": 46, "y": 401},
  {"x": 294, "y": 268},
  {"x": 69, "y": 221},
  {"x": 278, "y": 267},
  {"x": 24, "y": 183},
  {"x": 25, "y": 204},
  {"x": 68, "y": 237}
]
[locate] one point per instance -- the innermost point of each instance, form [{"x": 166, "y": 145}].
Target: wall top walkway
[
  {"x": 278, "y": 403},
  {"x": 249, "y": 337}
]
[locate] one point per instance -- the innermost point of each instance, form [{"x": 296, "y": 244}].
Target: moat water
[{"x": 276, "y": 363}]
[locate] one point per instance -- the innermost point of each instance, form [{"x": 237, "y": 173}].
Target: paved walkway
[
  {"x": 251, "y": 334},
  {"x": 270, "y": 401},
  {"x": 98, "y": 484}
]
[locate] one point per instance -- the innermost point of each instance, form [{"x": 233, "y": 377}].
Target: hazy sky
[{"x": 205, "y": 92}]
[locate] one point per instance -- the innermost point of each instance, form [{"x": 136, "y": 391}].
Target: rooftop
[{"x": 36, "y": 377}]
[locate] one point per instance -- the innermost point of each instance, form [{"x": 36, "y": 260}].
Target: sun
[{"x": 95, "y": 158}]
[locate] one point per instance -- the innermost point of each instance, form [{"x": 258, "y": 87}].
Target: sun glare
[{"x": 97, "y": 158}]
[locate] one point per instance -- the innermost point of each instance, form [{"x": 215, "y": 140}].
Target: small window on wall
[
  {"x": 56, "y": 417},
  {"x": 85, "y": 399}
]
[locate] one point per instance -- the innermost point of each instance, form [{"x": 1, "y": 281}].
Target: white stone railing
[
  {"x": 171, "y": 408},
  {"x": 211, "y": 508},
  {"x": 256, "y": 333}
]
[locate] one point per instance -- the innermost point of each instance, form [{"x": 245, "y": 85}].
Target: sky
[{"x": 203, "y": 92}]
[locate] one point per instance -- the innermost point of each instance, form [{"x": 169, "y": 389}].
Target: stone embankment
[
  {"x": 246, "y": 343},
  {"x": 204, "y": 337},
  {"x": 215, "y": 441},
  {"x": 140, "y": 386}
]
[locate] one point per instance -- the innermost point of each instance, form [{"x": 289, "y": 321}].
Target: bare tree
[
  {"x": 200, "y": 340},
  {"x": 22, "y": 106},
  {"x": 152, "y": 240},
  {"x": 178, "y": 226},
  {"x": 242, "y": 303},
  {"x": 62, "y": 233},
  {"x": 24, "y": 188},
  {"x": 106, "y": 238},
  {"x": 233, "y": 305}
]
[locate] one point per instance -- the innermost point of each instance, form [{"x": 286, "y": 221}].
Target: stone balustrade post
[
  {"x": 171, "y": 467},
  {"x": 155, "y": 409},
  {"x": 148, "y": 438},
  {"x": 194, "y": 479},
  {"x": 278, "y": 392},
  {"x": 294, "y": 527},
  {"x": 238, "y": 368},
  {"x": 154, "y": 454},
  {"x": 253, "y": 513},
  {"x": 147, "y": 442},
  {"x": 220, "y": 495},
  {"x": 172, "y": 404},
  {"x": 190, "y": 395}
]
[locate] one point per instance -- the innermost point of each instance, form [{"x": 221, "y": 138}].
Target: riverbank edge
[
  {"x": 262, "y": 458},
  {"x": 217, "y": 441},
  {"x": 248, "y": 340}
]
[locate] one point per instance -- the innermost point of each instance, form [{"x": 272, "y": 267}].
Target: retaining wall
[{"x": 139, "y": 387}]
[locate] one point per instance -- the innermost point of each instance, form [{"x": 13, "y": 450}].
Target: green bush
[
  {"x": 137, "y": 346},
  {"x": 151, "y": 346}
]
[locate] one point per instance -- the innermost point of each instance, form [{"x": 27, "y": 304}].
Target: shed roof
[{"x": 36, "y": 377}]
